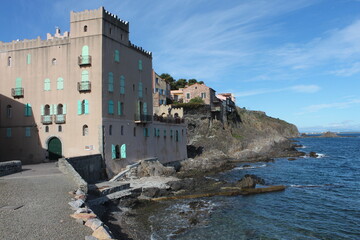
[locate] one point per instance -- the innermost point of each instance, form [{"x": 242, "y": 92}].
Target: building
[
  {"x": 199, "y": 90},
  {"x": 177, "y": 95},
  {"x": 84, "y": 92},
  {"x": 228, "y": 100},
  {"x": 161, "y": 91}
]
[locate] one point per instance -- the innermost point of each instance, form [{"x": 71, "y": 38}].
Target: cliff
[{"x": 242, "y": 135}]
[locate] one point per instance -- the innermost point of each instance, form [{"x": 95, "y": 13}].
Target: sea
[{"x": 321, "y": 201}]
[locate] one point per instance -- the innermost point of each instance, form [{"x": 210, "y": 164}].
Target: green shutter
[
  {"x": 60, "y": 83},
  {"x": 144, "y": 132},
  {"x": 154, "y": 132},
  {"x": 113, "y": 151},
  {"x": 8, "y": 132},
  {"x": 122, "y": 84},
  {"x": 164, "y": 132},
  {"x": 84, "y": 76},
  {"x": 140, "y": 65},
  {"x": 140, "y": 90},
  {"x": 123, "y": 151},
  {"x": 28, "y": 59},
  {"x": 42, "y": 110},
  {"x": 111, "y": 107},
  {"x": 119, "y": 108},
  {"x": 145, "y": 108},
  {"x": 18, "y": 83},
  {"x": 86, "y": 107},
  {"x": 27, "y": 108},
  {"x": 79, "y": 108},
  {"x": 55, "y": 109},
  {"x": 85, "y": 51},
  {"x": 117, "y": 56},
  {"x": 111, "y": 82},
  {"x": 27, "y": 132},
  {"x": 64, "y": 108},
  {"x": 47, "y": 84}
]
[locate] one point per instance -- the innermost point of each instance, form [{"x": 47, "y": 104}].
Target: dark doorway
[{"x": 54, "y": 148}]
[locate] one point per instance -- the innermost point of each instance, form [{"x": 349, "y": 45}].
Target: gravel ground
[{"x": 34, "y": 205}]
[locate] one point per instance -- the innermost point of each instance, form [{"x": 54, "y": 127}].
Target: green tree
[
  {"x": 181, "y": 83},
  {"x": 192, "y": 81},
  {"x": 197, "y": 100},
  {"x": 201, "y": 82}
]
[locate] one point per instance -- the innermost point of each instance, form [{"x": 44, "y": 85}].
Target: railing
[
  {"x": 46, "y": 119},
  {"x": 84, "y": 86},
  {"x": 60, "y": 118},
  {"x": 17, "y": 92},
  {"x": 176, "y": 120},
  {"x": 142, "y": 118},
  {"x": 84, "y": 60}
]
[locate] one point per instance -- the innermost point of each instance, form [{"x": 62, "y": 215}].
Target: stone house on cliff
[{"x": 84, "y": 92}]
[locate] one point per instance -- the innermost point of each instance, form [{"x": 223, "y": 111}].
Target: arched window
[
  {"x": 85, "y": 28},
  {"x": 117, "y": 56},
  {"x": 28, "y": 110},
  {"x": 9, "y": 61},
  {"x": 117, "y": 151},
  {"x": 85, "y": 51},
  {"x": 47, "y": 83},
  {"x": 60, "y": 83},
  {"x": 47, "y": 110},
  {"x": 111, "y": 107},
  {"x": 83, "y": 107},
  {"x": 53, "y": 61},
  {"x": 60, "y": 109},
  {"x": 9, "y": 111},
  {"x": 85, "y": 130},
  {"x": 140, "y": 90},
  {"x": 140, "y": 65}
]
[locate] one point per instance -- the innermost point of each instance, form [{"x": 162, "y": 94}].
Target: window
[
  {"x": 145, "y": 108},
  {"x": 122, "y": 130},
  {"x": 156, "y": 80},
  {"x": 122, "y": 84},
  {"x": 111, "y": 82},
  {"x": 156, "y": 90},
  {"x": 9, "y": 111},
  {"x": 120, "y": 108},
  {"x": 9, "y": 62},
  {"x": 123, "y": 151},
  {"x": 111, "y": 107},
  {"x": 177, "y": 135},
  {"x": 46, "y": 128},
  {"x": 28, "y": 59},
  {"x": 47, "y": 84},
  {"x": 83, "y": 107},
  {"x": 110, "y": 30},
  {"x": 18, "y": 82},
  {"x": 140, "y": 65},
  {"x": 61, "y": 109},
  {"x": 27, "y": 132},
  {"x": 203, "y": 95},
  {"x": 158, "y": 132},
  {"x": 134, "y": 131},
  {"x": 53, "y": 61},
  {"x": 59, "y": 128},
  {"x": 115, "y": 151},
  {"x": 188, "y": 96},
  {"x": 46, "y": 110},
  {"x": 154, "y": 132},
  {"x": 28, "y": 111},
  {"x": 146, "y": 132},
  {"x": 85, "y": 28},
  {"x": 171, "y": 133},
  {"x": 133, "y": 87},
  {"x": 85, "y": 51},
  {"x": 8, "y": 132},
  {"x": 140, "y": 90},
  {"x": 85, "y": 130},
  {"x": 60, "y": 84},
  {"x": 164, "y": 133},
  {"x": 84, "y": 76},
  {"x": 117, "y": 56},
  {"x": 110, "y": 130}
]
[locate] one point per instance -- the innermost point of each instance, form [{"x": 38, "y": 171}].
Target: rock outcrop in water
[{"x": 241, "y": 135}]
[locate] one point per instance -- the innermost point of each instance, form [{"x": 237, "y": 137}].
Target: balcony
[
  {"x": 84, "y": 60},
  {"x": 17, "y": 92},
  {"x": 46, "y": 119},
  {"x": 169, "y": 119},
  {"x": 60, "y": 118},
  {"x": 84, "y": 86},
  {"x": 142, "y": 118}
]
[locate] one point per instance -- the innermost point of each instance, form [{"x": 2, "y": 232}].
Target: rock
[
  {"x": 77, "y": 204},
  {"x": 150, "y": 192},
  {"x": 83, "y": 216},
  {"x": 246, "y": 166},
  {"x": 313, "y": 154},
  {"x": 250, "y": 181},
  {"x": 94, "y": 223},
  {"x": 329, "y": 135},
  {"x": 79, "y": 192},
  {"x": 83, "y": 210},
  {"x": 91, "y": 238},
  {"x": 154, "y": 168},
  {"x": 291, "y": 159},
  {"x": 102, "y": 233},
  {"x": 82, "y": 197}
]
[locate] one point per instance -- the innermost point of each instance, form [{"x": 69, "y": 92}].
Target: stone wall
[
  {"x": 10, "y": 167},
  {"x": 91, "y": 168}
]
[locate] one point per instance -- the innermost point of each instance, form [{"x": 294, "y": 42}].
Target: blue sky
[{"x": 295, "y": 60}]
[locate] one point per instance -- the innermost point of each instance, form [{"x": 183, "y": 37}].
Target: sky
[{"x": 295, "y": 60}]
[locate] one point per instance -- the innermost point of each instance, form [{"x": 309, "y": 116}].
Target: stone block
[
  {"x": 94, "y": 223},
  {"x": 102, "y": 233}
]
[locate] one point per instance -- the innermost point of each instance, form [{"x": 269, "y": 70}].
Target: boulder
[
  {"x": 154, "y": 168},
  {"x": 102, "y": 233},
  {"x": 250, "y": 181},
  {"x": 77, "y": 204},
  {"x": 94, "y": 223},
  {"x": 313, "y": 154},
  {"x": 83, "y": 216}
]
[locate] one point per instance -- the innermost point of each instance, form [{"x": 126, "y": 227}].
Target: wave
[
  {"x": 312, "y": 186},
  {"x": 250, "y": 167},
  {"x": 320, "y": 155}
]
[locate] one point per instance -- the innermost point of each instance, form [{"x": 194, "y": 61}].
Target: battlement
[
  {"x": 99, "y": 13},
  {"x": 31, "y": 43},
  {"x": 140, "y": 49}
]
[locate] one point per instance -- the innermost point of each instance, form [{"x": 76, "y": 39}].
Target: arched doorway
[{"x": 54, "y": 148}]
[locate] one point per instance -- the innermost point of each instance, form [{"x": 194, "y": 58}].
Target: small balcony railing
[
  {"x": 168, "y": 119},
  {"x": 84, "y": 86},
  {"x": 46, "y": 119},
  {"x": 17, "y": 92},
  {"x": 142, "y": 118},
  {"x": 84, "y": 60},
  {"x": 60, "y": 118}
]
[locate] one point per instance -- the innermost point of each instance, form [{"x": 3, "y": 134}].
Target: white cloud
[
  {"x": 336, "y": 105},
  {"x": 296, "y": 88},
  {"x": 305, "y": 88}
]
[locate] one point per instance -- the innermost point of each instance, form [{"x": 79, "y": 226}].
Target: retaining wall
[{"x": 10, "y": 167}]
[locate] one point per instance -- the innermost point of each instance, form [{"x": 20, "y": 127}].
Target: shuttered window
[
  {"x": 122, "y": 84},
  {"x": 60, "y": 84},
  {"x": 111, "y": 107},
  {"x": 111, "y": 82},
  {"x": 47, "y": 83},
  {"x": 117, "y": 56}
]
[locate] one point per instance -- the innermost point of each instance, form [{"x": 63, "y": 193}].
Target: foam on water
[{"x": 251, "y": 167}]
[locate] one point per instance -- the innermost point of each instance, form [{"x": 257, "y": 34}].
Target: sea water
[{"x": 321, "y": 201}]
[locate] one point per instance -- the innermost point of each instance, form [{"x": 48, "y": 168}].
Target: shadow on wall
[{"x": 19, "y": 133}]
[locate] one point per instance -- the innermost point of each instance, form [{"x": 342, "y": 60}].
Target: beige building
[
  {"x": 199, "y": 90},
  {"x": 82, "y": 93},
  {"x": 161, "y": 91}
]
